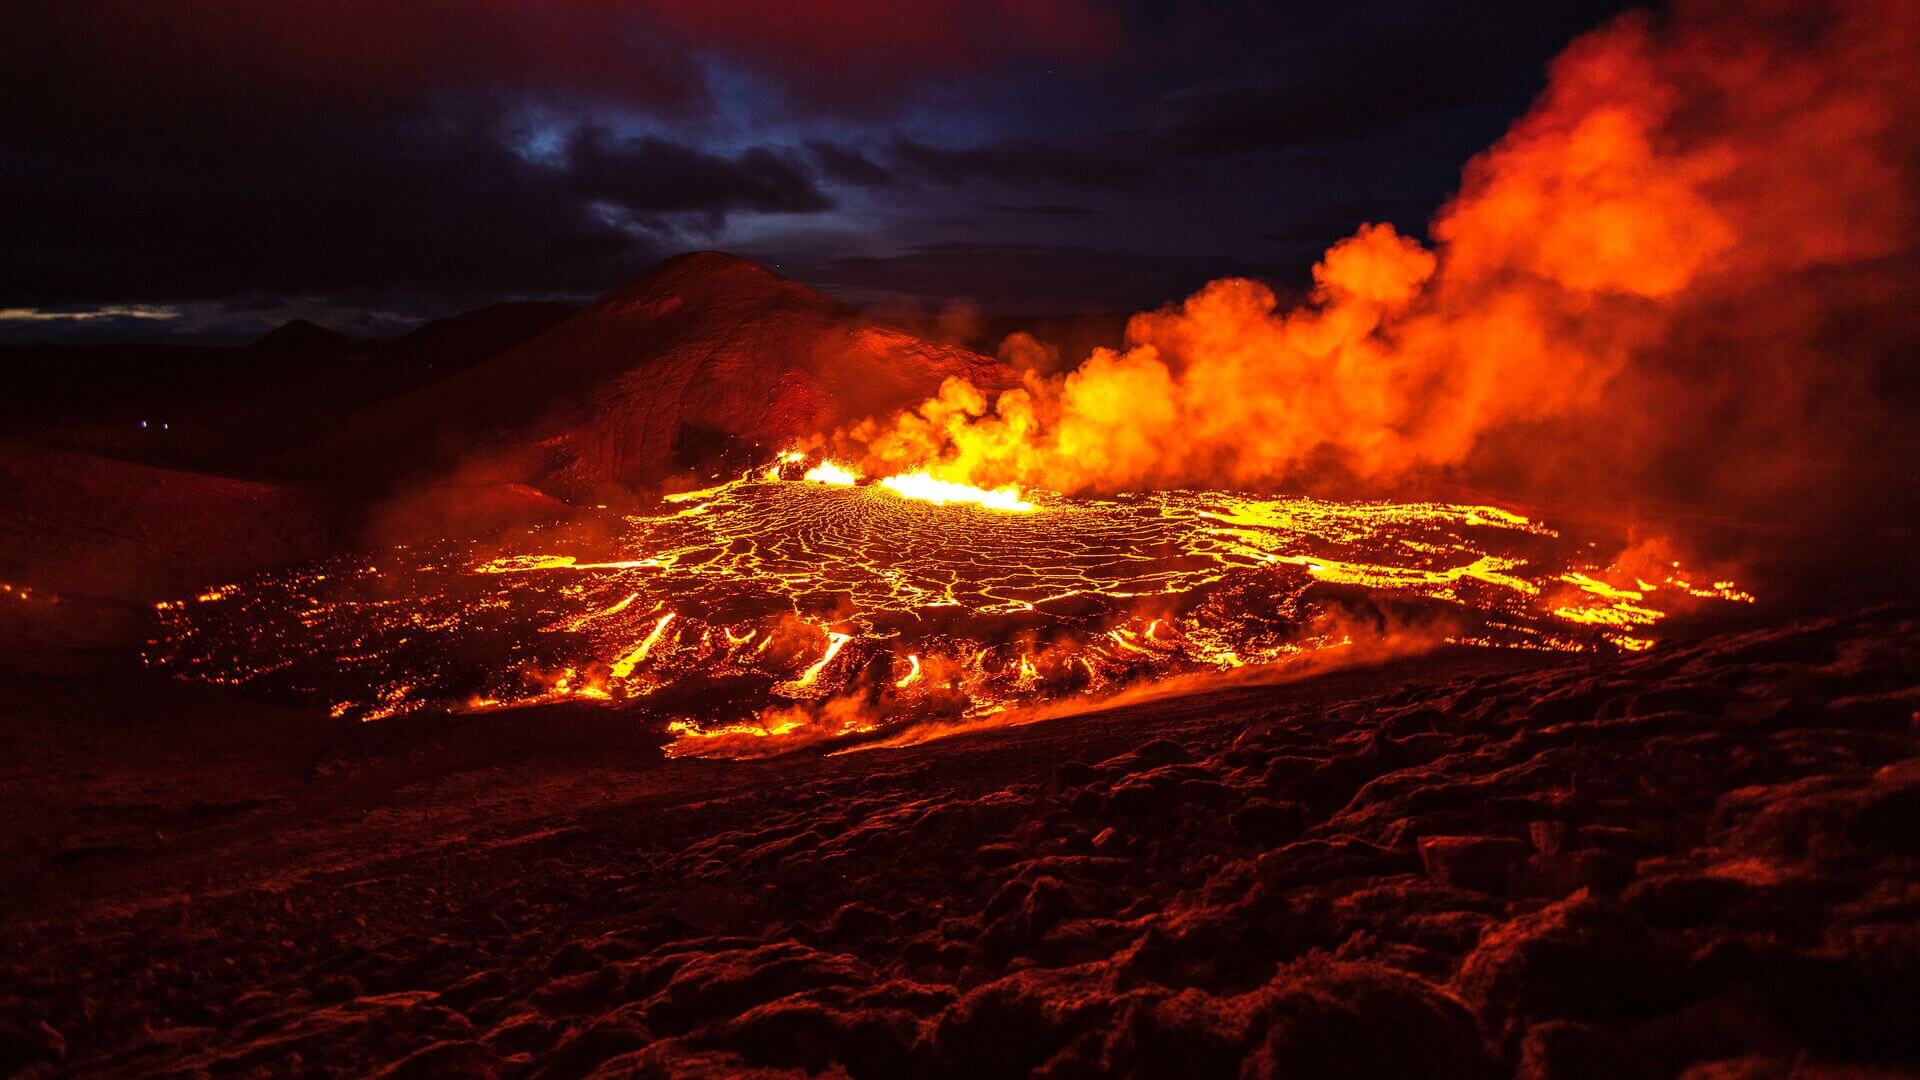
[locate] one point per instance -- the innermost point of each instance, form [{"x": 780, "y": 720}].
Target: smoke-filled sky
[{"x": 207, "y": 168}]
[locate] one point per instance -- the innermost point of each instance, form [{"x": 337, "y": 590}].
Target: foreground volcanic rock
[
  {"x": 691, "y": 364},
  {"x": 1700, "y": 860}
]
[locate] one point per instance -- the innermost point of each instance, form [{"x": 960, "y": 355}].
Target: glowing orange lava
[{"x": 799, "y": 591}]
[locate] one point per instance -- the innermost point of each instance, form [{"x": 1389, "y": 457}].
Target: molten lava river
[{"x": 795, "y": 604}]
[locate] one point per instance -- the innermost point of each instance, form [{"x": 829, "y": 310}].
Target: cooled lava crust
[{"x": 1702, "y": 858}]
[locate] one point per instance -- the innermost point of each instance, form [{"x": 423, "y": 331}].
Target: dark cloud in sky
[
  {"x": 449, "y": 205},
  {"x": 1323, "y": 87},
  {"x": 1098, "y": 165},
  {"x": 864, "y": 56},
  {"x": 847, "y": 165},
  {"x": 1042, "y": 209},
  {"x": 157, "y": 74},
  {"x": 1317, "y": 225},
  {"x": 424, "y": 155}
]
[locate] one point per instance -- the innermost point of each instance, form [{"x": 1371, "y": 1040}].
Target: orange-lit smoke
[{"x": 1680, "y": 180}]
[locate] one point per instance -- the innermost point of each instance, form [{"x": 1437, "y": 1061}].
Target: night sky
[{"x": 204, "y": 169}]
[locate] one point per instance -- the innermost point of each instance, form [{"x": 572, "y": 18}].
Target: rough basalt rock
[{"x": 1642, "y": 878}]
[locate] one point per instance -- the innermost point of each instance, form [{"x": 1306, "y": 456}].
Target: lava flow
[{"x": 797, "y": 601}]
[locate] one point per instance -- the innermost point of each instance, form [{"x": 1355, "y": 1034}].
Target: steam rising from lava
[{"x": 1680, "y": 194}]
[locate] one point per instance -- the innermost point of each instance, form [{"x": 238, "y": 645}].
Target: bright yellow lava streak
[
  {"x": 925, "y": 488},
  {"x": 624, "y": 666},
  {"x": 513, "y": 564},
  {"x": 835, "y": 642},
  {"x": 623, "y": 604},
  {"x": 909, "y": 677}
]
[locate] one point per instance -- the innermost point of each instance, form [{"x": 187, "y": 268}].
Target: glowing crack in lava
[{"x": 804, "y": 598}]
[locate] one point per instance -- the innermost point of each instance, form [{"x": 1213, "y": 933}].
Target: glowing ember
[{"x": 851, "y": 602}]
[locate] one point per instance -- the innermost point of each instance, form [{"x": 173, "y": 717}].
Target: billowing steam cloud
[{"x": 1696, "y": 201}]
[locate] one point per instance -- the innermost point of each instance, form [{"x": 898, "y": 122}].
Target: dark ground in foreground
[{"x": 1705, "y": 861}]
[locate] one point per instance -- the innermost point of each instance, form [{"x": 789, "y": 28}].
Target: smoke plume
[{"x": 1684, "y": 265}]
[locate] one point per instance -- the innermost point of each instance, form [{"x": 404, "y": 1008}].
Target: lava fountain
[{"x": 800, "y": 600}]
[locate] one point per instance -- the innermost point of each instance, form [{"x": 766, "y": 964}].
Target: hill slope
[{"x": 704, "y": 359}]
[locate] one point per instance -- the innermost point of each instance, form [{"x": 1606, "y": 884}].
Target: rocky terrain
[
  {"x": 88, "y": 543},
  {"x": 1700, "y": 861},
  {"x": 131, "y": 474},
  {"x": 1703, "y": 861}
]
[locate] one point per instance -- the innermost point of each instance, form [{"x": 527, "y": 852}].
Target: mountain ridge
[{"x": 700, "y": 362}]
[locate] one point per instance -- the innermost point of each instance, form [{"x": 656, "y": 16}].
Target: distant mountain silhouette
[
  {"x": 302, "y": 339},
  {"x": 224, "y": 408},
  {"x": 444, "y": 346}
]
